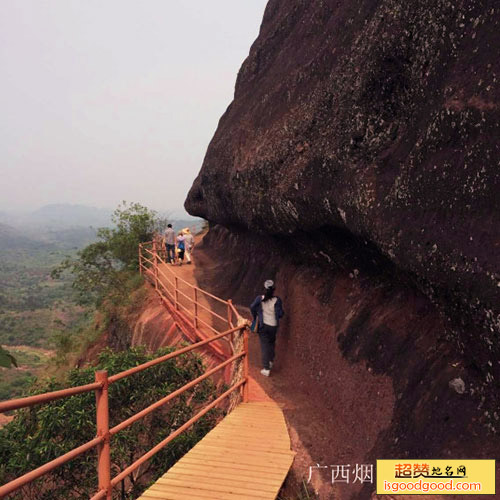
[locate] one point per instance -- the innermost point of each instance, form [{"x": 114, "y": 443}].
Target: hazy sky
[{"x": 110, "y": 100}]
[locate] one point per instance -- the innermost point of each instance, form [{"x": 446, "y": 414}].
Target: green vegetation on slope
[
  {"x": 30, "y": 363},
  {"x": 43, "y": 432},
  {"x": 40, "y": 311},
  {"x": 34, "y": 308},
  {"x": 102, "y": 279},
  {"x": 30, "y": 301}
]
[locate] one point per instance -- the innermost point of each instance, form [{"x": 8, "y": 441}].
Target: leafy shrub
[
  {"x": 43, "y": 432},
  {"x": 6, "y": 358}
]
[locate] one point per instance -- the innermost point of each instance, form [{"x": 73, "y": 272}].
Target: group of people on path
[{"x": 178, "y": 247}]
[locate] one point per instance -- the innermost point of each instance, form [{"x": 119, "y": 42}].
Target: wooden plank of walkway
[{"x": 246, "y": 457}]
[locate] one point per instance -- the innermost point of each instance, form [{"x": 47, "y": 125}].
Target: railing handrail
[
  {"x": 46, "y": 397},
  {"x": 19, "y": 482},
  {"x": 51, "y": 396},
  {"x": 102, "y": 440},
  {"x": 14, "y": 404},
  {"x": 183, "y": 305},
  {"x": 155, "y": 254},
  {"x": 171, "y": 355},
  {"x": 152, "y": 253},
  {"x": 172, "y": 395}
]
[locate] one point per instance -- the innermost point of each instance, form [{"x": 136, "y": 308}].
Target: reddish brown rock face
[
  {"x": 359, "y": 167},
  {"x": 376, "y": 123},
  {"x": 365, "y": 365}
]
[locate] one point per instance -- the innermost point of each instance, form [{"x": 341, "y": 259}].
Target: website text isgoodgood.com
[{"x": 425, "y": 487}]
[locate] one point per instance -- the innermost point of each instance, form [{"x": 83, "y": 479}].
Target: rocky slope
[
  {"x": 362, "y": 145},
  {"x": 144, "y": 322}
]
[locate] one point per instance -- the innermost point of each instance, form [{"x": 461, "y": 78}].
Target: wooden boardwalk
[{"x": 245, "y": 457}]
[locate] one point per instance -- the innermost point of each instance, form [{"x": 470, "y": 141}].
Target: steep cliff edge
[{"x": 362, "y": 147}]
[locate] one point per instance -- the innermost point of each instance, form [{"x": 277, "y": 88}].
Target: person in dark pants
[
  {"x": 181, "y": 247},
  {"x": 268, "y": 309},
  {"x": 170, "y": 243}
]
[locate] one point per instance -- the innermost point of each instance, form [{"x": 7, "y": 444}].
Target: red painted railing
[
  {"x": 171, "y": 288},
  {"x": 197, "y": 313},
  {"x": 100, "y": 386}
]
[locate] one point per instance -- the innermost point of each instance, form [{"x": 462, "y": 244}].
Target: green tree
[
  {"x": 134, "y": 224},
  {"x": 41, "y": 433},
  {"x": 6, "y": 359},
  {"x": 105, "y": 269}
]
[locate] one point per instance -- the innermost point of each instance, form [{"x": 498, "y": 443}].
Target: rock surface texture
[
  {"x": 381, "y": 119},
  {"x": 364, "y": 139}
]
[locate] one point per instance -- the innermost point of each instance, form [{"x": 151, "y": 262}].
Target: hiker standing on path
[
  {"x": 181, "y": 247},
  {"x": 268, "y": 310},
  {"x": 189, "y": 243},
  {"x": 170, "y": 243}
]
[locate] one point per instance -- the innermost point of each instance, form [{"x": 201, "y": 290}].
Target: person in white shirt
[
  {"x": 189, "y": 244},
  {"x": 267, "y": 309}
]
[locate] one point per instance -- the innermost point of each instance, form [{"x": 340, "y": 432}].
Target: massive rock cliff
[
  {"x": 378, "y": 118},
  {"x": 363, "y": 140}
]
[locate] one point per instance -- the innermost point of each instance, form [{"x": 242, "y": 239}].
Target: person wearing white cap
[
  {"x": 267, "y": 309},
  {"x": 189, "y": 243}
]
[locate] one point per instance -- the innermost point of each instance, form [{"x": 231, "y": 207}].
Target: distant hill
[
  {"x": 65, "y": 226},
  {"x": 63, "y": 216},
  {"x": 14, "y": 239}
]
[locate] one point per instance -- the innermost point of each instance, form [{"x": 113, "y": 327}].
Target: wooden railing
[
  {"x": 103, "y": 381},
  {"x": 186, "y": 301}
]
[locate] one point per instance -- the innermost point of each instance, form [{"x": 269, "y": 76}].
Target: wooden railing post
[
  {"x": 229, "y": 313},
  {"x": 195, "y": 307},
  {"x": 245, "y": 365},
  {"x": 155, "y": 266},
  {"x": 140, "y": 258},
  {"x": 103, "y": 450},
  {"x": 230, "y": 319},
  {"x": 176, "y": 293}
]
